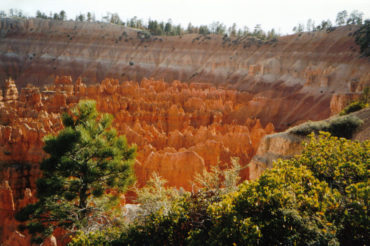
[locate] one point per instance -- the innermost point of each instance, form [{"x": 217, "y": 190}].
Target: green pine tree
[{"x": 85, "y": 159}]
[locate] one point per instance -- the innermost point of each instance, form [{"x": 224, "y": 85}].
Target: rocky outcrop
[
  {"x": 99, "y": 50},
  {"x": 286, "y": 145},
  {"x": 279, "y": 145},
  {"x": 9, "y": 235},
  {"x": 179, "y": 168},
  {"x": 11, "y": 91},
  {"x": 49, "y": 241},
  {"x": 8, "y": 206},
  {"x": 17, "y": 239},
  {"x": 340, "y": 101},
  {"x": 7, "y": 210}
]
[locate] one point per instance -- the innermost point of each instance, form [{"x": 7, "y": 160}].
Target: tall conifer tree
[{"x": 85, "y": 159}]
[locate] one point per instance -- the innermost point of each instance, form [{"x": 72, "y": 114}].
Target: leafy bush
[
  {"x": 316, "y": 198},
  {"x": 344, "y": 166},
  {"x": 342, "y": 126},
  {"x": 100, "y": 237},
  {"x": 154, "y": 197},
  {"x": 363, "y": 102},
  {"x": 353, "y": 107}
]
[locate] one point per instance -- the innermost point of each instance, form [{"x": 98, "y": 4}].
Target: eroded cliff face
[{"x": 295, "y": 76}]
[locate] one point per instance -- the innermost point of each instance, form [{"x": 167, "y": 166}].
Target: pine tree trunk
[{"x": 83, "y": 200}]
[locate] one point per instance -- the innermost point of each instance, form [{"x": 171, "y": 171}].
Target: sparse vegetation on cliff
[
  {"x": 154, "y": 27},
  {"x": 355, "y": 18},
  {"x": 340, "y": 126},
  {"x": 353, "y": 107},
  {"x": 86, "y": 159},
  {"x": 316, "y": 198},
  {"x": 363, "y": 102}
]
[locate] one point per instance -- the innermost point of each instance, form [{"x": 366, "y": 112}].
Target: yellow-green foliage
[
  {"x": 337, "y": 161},
  {"x": 96, "y": 238},
  {"x": 363, "y": 102},
  {"x": 319, "y": 197},
  {"x": 353, "y": 107},
  {"x": 316, "y": 198}
]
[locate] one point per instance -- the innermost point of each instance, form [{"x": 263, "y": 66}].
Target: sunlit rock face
[
  {"x": 158, "y": 117},
  {"x": 9, "y": 204}
]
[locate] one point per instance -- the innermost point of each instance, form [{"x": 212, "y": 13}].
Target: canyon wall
[{"x": 297, "y": 75}]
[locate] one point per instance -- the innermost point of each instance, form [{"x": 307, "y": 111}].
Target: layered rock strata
[{"x": 295, "y": 75}]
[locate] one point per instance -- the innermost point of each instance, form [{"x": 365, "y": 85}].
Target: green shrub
[
  {"x": 308, "y": 127},
  {"x": 353, "y": 107},
  {"x": 342, "y": 126},
  {"x": 96, "y": 238},
  {"x": 154, "y": 197},
  {"x": 344, "y": 166},
  {"x": 363, "y": 102},
  {"x": 317, "y": 198}
]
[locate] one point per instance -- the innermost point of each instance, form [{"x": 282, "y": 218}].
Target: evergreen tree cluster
[
  {"x": 154, "y": 27},
  {"x": 343, "y": 18},
  {"x": 160, "y": 28},
  {"x": 362, "y": 38}
]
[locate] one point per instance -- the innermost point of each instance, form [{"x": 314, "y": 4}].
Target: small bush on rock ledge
[
  {"x": 341, "y": 126},
  {"x": 358, "y": 105}
]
